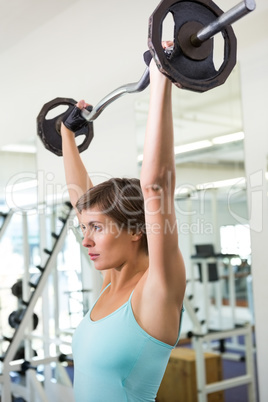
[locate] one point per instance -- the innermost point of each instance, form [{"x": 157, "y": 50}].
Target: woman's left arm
[{"x": 166, "y": 266}]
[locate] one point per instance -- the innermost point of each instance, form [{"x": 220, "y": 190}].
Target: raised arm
[
  {"x": 166, "y": 267},
  {"x": 77, "y": 178}
]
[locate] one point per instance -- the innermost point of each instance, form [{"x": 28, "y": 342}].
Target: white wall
[
  {"x": 12, "y": 164},
  {"x": 255, "y": 101}
]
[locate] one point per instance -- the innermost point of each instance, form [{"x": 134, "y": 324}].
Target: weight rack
[
  {"x": 6, "y": 219},
  {"x": 8, "y": 363}
]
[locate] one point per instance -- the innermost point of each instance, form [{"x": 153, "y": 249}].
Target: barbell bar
[
  {"x": 134, "y": 87},
  {"x": 188, "y": 64},
  {"x": 227, "y": 18},
  {"x": 197, "y": 39}
]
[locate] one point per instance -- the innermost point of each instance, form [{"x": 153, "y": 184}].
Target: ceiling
[{"x": 20, "y": 17}]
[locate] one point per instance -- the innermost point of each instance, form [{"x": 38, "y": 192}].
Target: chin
[{"x": 102, "y": 267}]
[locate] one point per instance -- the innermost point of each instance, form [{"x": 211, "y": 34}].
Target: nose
[{"x": 88, "y": 240}]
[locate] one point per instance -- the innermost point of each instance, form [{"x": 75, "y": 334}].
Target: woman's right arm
[{"x": 77, "y": 178}]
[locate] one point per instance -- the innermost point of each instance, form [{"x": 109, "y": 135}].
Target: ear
[{"x": 136, "y": 236}]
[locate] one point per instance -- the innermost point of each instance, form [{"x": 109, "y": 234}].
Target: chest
[
  {"x": 115, "y": 355},
  {"x": 107, "y": 305},
  {"x": 108, "y": 344}
]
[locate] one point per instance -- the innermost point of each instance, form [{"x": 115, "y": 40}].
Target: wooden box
[{"x": 179, "y": 383}]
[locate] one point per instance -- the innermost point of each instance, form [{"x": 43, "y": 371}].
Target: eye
[
  {"x": 97, "y": 228},
  {"x": 83, "y": 228}
]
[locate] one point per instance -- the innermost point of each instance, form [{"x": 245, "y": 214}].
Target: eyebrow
[{"x": 91, "y": 223}]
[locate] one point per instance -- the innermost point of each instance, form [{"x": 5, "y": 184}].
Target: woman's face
[{"x": 108, "y": 244}]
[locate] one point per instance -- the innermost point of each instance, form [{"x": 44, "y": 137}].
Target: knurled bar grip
[{"x": 227, "y": 18}]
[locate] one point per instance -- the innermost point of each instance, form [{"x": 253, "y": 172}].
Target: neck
[{"x": 129, "y": 274}]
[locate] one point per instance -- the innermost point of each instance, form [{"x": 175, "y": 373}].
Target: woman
[{"x": 122, "y": 346}]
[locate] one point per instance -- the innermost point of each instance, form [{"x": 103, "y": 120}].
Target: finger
[
  {"x": 81, "y": 104},
  {"x": 167, "y": 43}
]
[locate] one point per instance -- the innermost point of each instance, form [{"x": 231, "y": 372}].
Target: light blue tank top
[{"x": 115, "y": 360}]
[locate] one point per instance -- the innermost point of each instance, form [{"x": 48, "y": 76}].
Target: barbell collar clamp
[{"x": 227, "y": 18}]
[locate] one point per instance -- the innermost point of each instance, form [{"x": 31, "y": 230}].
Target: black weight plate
[
  {"x": 16, "y": 289},
  {"x": 195, "y": 75},
  {"x": 16, "y": 317},
  {"x": 12, "y": 319},
  {"x": 49, "y": 129}
]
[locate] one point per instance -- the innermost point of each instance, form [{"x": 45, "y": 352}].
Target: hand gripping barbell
[{"x": 188, "y": 64}]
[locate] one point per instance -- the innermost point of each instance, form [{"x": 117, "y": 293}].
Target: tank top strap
[
  {"x": 130, "y": 297},
  {"x": 103, "y": 290}
]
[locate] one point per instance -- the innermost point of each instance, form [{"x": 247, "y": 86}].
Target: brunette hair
[{"x": 120, "y": 199}]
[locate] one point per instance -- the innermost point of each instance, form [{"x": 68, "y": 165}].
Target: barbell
[{"x": 188, "y": 64}]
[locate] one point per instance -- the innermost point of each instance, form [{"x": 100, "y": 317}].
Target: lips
[{"x": 93, "y": 256}]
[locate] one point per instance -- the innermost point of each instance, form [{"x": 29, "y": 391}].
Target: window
[{"x": 235, "y": 239}]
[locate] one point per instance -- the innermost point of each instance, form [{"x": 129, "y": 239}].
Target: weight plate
[
  {"x": 15, "y": 318},
  {"x": 16, "y": 289},
  {"x": 49, "y": 129},
  {"x": 191, "y": 69}
]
